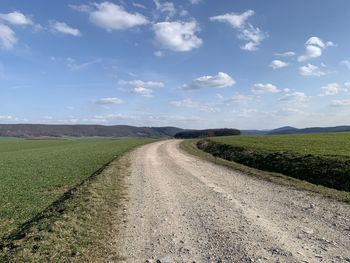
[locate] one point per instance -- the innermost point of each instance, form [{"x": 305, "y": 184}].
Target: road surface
[{"x": 184, "y": 209}]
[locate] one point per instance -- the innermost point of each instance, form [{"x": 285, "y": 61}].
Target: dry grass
[{"x": 190, "y": 147}]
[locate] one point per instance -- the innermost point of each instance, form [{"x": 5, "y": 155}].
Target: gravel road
[{"x": 183, "y": 209}]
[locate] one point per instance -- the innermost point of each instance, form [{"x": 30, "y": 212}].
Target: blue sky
[{"x": 191, "y": 63}]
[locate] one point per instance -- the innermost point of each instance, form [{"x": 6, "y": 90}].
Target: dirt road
[{"x": 184, "y": 209}]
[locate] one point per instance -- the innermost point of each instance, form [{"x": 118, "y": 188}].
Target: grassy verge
[
  {"x": 82, "y": 227},
  {"x": 190, "y": 147}
]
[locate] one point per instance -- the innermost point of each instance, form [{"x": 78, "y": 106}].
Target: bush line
[{"x": 331, "y": 172}]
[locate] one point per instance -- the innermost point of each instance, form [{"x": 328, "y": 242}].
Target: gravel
[{"x": 184, "y": 209}]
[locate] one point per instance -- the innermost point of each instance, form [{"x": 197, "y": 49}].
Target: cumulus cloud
[
  {"x": 330, "y": 89},
  {"x": 140, "y": 87},
  {"x": 314, "y": 48},
  {"x": 294, "y": 97},
  {"x": 286, "y": 54},
  {"x": 109, "y": 101},
  {"x": 264, "y": 88},
  {"x": 16, "y": 18},
  {"x": 311, "y": 70},
  {"x": 110, "y": 16},
  {"x": 277, "y": 64},
  {"x": 253, "y": 35},
  {"x": 177, "y": 36},
  {"x": 221, "y": 80},
  {"x": 63, "y": 28},
  {"x": 8, "y": 37}
]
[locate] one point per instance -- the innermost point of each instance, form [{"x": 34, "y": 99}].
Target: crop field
[
  {"x": 323, "y": 144},
  {"x": 34, "y": 173}
]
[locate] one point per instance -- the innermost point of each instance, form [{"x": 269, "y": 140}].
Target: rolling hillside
[{"x": 41, "y": 130}]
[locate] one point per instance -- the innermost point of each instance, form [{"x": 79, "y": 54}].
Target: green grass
[
  {"x": 35, "y": 173},
  {"x": 323, "y": 144}
]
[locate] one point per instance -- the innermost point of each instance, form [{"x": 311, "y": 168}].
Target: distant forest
[{"x": 206, "y": 133}]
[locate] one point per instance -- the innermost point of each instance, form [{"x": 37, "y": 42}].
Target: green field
[
  {"x": 321, "y": 159},
  {"x": 323, "y": 144},
  {"x": 34, "y": 173}
]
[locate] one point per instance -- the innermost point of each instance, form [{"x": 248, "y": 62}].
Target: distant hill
[
  {"x": 41, "y": 130},
  {"x": 292, "y": 130}
]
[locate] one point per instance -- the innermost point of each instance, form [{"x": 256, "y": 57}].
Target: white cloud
[
  {"x": 238, "y": 99},
  {"x": 311, "y": 70},
  {"x": 141, "y": 83},
  {"x": 138, "y": 5},
  {"x": 264, "y": 88},
  {"x": 195, "y": 2},
  {"x": 330, "y": 89},
  {"x": 140, "y": 87},
  {"x": 185, "y": 103},
  {"x": 314, "y": 48},
  {"x": 221, "y": 80},
  {"x": 65, "y": 29},
  {"x": 237, "y": 21},
  {"x": 177, "y": 36},
  {"x": 209, "y": 109},
  {"x": 158, "y": 53},
  {"x": 165, "y": 7},
  {"x": 286, "y": 54},
  {"x": 16, "y": 18},
  {"x": 111, "y": 17},
  {"x": 143, "y": 91},
  {"x": 8, "y": 37},
  {"x": 253, "y": 35},
  {"x": 347, "y": 85},
  {"x": 8, "y": 118},
  {"x": 109, "y": 101},
  {"x": 188, "y": 103},
  {"x": 340, "y": 103},
  {"x": 294, "y": 97},
  {"x": 73, "y": 65},
  {"x": 277, "y": 64},
  {"x": 319, "y": 42}
]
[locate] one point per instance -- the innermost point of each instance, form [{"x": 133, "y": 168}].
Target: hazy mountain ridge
[
  {"x": 43, "y": 130},
  {"x": 293, "y": 130}
]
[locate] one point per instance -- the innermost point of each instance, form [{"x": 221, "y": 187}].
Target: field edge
[{"x": 190, "y": 147}]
